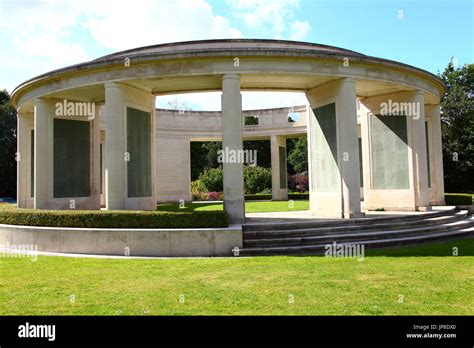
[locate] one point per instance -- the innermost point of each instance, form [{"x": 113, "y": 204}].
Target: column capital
[
  {"x": 112, "y": 85},
  {"x": 348, "y": 80},
  {"x": 231, "y": 76}
]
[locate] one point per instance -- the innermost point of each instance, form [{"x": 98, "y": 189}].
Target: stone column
[
  {"x": 44, "y": 110},
  {"x": 95, "y": 163},
  {"x": 279, "y": 179},
  {"x": 23, "y": 160},
  {"x": 232, "y": 141},
  {"x": 396, "y": 176},
  {"x": 418, "y": 146},
  {"x": 115, "y": 146},
  {"x": 436, "y": 155},
  {"x": 333, "y": 150}
]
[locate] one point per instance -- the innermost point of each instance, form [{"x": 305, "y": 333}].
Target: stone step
[
  {"x": 386, "y": 225},
  {"x": 361, "y": 236},
  {"x": 318, "y": 249},
  {"x": 257, "y": 226}
]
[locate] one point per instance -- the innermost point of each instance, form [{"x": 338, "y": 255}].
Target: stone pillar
[
  {"x": 232, "y": 140},
  {"x": 436, "y": 155},
  {"x": 95, "y": 163},
  {"x": 279, "y": 179},
  {"x": 395, "y": 160},
  {"x": 115, "y": 146},
  {"x": 333, "y": 150},
  {"x": 419, "y": 158},
  {"x": 44, "y": 110},
  {"x": 23, "y": 157}
]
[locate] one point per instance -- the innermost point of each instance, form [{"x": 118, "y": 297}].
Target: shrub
[
  {"x": 258, "y": 197},
  {"x": 198, "y": 186},
  {"x": 257, "y": 179},
  {"x": 298, "y": 196},
  {"x": 458, "y": 199},
  {"x": 298, "y": 182},
  {"x": 213, "y": 196},
  {"x": 212, "y": 179},
  {"x": 198, "y": 196},
  {"x": 113, "y": 218}
]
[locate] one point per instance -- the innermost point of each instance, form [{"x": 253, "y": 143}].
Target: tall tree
[
  {"x": 297, "y": 155},
  {"x": 7, "y": 146},
  {"x": 457, "y": 127}
]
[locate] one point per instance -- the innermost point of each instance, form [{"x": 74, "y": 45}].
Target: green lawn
[
  {"x": 428, "y": 279},
  {"x": 250, "y": 206}
]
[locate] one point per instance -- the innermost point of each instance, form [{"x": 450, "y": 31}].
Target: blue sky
[{"x": 38, "y": 36}]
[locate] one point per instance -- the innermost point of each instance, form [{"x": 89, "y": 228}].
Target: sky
[{"x": 37, "y": 36}]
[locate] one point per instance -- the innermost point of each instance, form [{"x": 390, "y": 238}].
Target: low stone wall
[{"x": 129, "y": 242}]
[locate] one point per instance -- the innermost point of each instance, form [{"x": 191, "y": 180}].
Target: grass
[
  {"x": 250, "y": 207},
  {"x": 430, "y": 279}
]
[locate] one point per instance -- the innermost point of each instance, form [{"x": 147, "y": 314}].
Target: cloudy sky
[{"x": 38, "y": 36}]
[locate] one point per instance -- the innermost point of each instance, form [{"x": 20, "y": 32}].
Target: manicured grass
[
  {"x": 250, "y": 207},
  {"x": 428, "y": 278}
]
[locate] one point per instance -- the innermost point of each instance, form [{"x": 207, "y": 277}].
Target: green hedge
[
  {"x": 296, "y": 196},
  {"x": 113, "y": 219},
  {"x": 458, "y": 198},
  {"x": 258, "y": 197},
  {"x": 265, "y": 197}
]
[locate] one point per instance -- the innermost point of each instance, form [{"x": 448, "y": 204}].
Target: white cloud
[
  {"x": 38, "y": 36},
  {"x": 152, "y": 22},
  {"x": 42, "y": 35},
  {"x": 299, "y": 30},
  {"x": 271, "y": 18}
]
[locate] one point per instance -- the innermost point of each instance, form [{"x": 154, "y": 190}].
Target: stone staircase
[{"x": 311, "y": 237}]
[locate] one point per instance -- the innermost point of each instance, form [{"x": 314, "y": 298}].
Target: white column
[
  {"x": 418, "y": 146},
  {"x": 436, "y": 155},
  {"x": 95, "y": 168},
  {"x": 333, "y": 150},
  {"x": 348, "y": 140},
  {"x": 23, "y": 160},
  {"x": 232, "y": 140},
  {"x": 115, "y": 146},
  {"x": 44, "y": 110},
  {"x": 279, "y": 192}
]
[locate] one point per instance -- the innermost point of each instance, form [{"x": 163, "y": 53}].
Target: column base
[
  {"x": 424, "y": 208},
  {"x": 354, "y": 215}
]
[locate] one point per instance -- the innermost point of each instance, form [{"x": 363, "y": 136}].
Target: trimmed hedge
[
  {"x": 265, "y": 197},
  {"x": 296, "y": 196},
  {"x": 258, "y": 197},
  {"x": 113, "y": 219},
  {"x": 458, "y": 198}
]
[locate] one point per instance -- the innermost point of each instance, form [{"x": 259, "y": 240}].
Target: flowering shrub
[
  {"x": 199, "y": 196},
  {"x": 213, "y": 196},
  {"x": 298, "y": 182}
]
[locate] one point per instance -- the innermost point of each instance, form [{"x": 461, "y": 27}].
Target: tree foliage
[
  {"x": 8, "y": 123},
  {"x": 457, "y": 127},
  {"x": 297, "y": 155}
]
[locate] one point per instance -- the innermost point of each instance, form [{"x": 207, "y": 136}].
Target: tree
[
  {"x": 457, "y": 128},
  {"x": 7, "y": 146},
  {"x": 178, "y": 104},
  {"x": 297, "y": 155}
]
